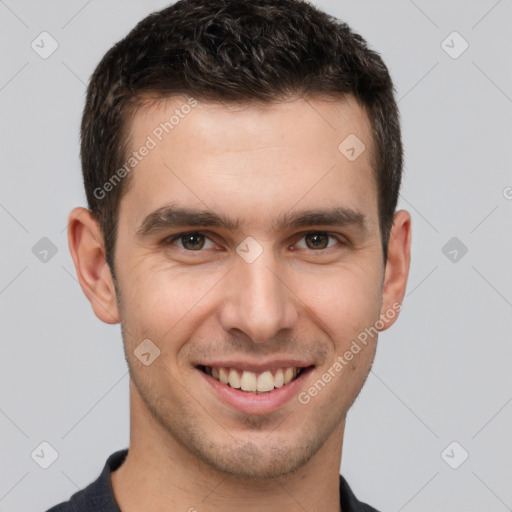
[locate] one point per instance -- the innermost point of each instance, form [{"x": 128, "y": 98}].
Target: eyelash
[{"x": 169, "y": 240}]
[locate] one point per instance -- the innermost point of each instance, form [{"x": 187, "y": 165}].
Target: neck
[{"x": 160, "y": 474}]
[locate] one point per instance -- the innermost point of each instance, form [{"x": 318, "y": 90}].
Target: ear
[
  {"x": 397, "y": 268},
  {"x": 87, "y": 250}
]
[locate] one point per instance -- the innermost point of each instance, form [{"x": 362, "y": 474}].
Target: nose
[{"x": 258, "y": 300}]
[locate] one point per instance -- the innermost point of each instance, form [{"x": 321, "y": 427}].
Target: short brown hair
[{"x": 233, "y": 51}]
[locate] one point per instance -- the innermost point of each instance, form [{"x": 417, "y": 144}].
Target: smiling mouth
[{"x": 252, "y": 382}]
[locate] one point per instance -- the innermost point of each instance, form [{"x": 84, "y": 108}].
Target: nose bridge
[{"x": 258, "y": 302}]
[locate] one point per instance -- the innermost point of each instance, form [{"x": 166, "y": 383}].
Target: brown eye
[
  {"x": 317, "y": 240},
  {"x": 191, "y": 241}
]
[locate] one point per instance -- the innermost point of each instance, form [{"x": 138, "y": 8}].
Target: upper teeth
[{"x": 250, "y": 381}]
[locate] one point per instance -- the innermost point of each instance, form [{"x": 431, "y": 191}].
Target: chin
[{"x": 253, "y": 462}]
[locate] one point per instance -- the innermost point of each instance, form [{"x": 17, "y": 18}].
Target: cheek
[
  {"x": 344, "y": 301},
  {"x": 165, "y": 302},
  {"x": 168, "y": 303}
]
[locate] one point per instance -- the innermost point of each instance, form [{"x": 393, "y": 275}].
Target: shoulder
[
  {"x": 348, "y": 500},
  {"x": 98, "y": 495},
  {"x": 67, "y": 506},
  {"x": 62, "y": 507},
  {"x": 81, "y": 501}
]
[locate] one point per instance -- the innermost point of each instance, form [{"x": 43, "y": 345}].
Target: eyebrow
[{"x": 171, "y": 216}]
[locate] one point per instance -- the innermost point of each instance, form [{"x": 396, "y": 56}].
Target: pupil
[
  {"x": 195, "y": 241},
  {"x": 191, "y": 241},
  {"x": 316, "y": 239}
]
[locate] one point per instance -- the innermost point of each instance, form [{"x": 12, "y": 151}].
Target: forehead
[{"x": 259, "y": 158}]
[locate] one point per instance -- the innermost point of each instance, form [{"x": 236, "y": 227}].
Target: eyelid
[
  {"x": 337, "y": 236},
  {"x": 342, "y": 240},
  {"x": 172, "y": 238}
]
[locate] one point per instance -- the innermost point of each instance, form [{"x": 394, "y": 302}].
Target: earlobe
[
  {"x": 87, "y": 250},
  {"x": 397, "y": 268}
]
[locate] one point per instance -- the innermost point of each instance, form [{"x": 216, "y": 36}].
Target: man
[{"x": 242, "y": 163}]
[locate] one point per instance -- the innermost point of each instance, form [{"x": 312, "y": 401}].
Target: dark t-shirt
[{"x": 99, "y": 497}]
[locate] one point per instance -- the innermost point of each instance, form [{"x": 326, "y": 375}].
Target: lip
[
  {"x": 257, "y": 367},
  {"x": 250, "y": 403}
]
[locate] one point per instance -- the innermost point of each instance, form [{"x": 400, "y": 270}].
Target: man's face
[{"x": 268, "y": 295}]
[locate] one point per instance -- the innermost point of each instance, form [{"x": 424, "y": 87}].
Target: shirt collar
[{"x": 102, "y": 495}]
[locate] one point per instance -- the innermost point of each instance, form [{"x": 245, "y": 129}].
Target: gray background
[{"x": 441, "y": 374}]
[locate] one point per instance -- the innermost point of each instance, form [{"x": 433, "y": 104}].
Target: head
[
  {"x": 235, "y": 53},
  {"x": 269, "y": 133}
]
